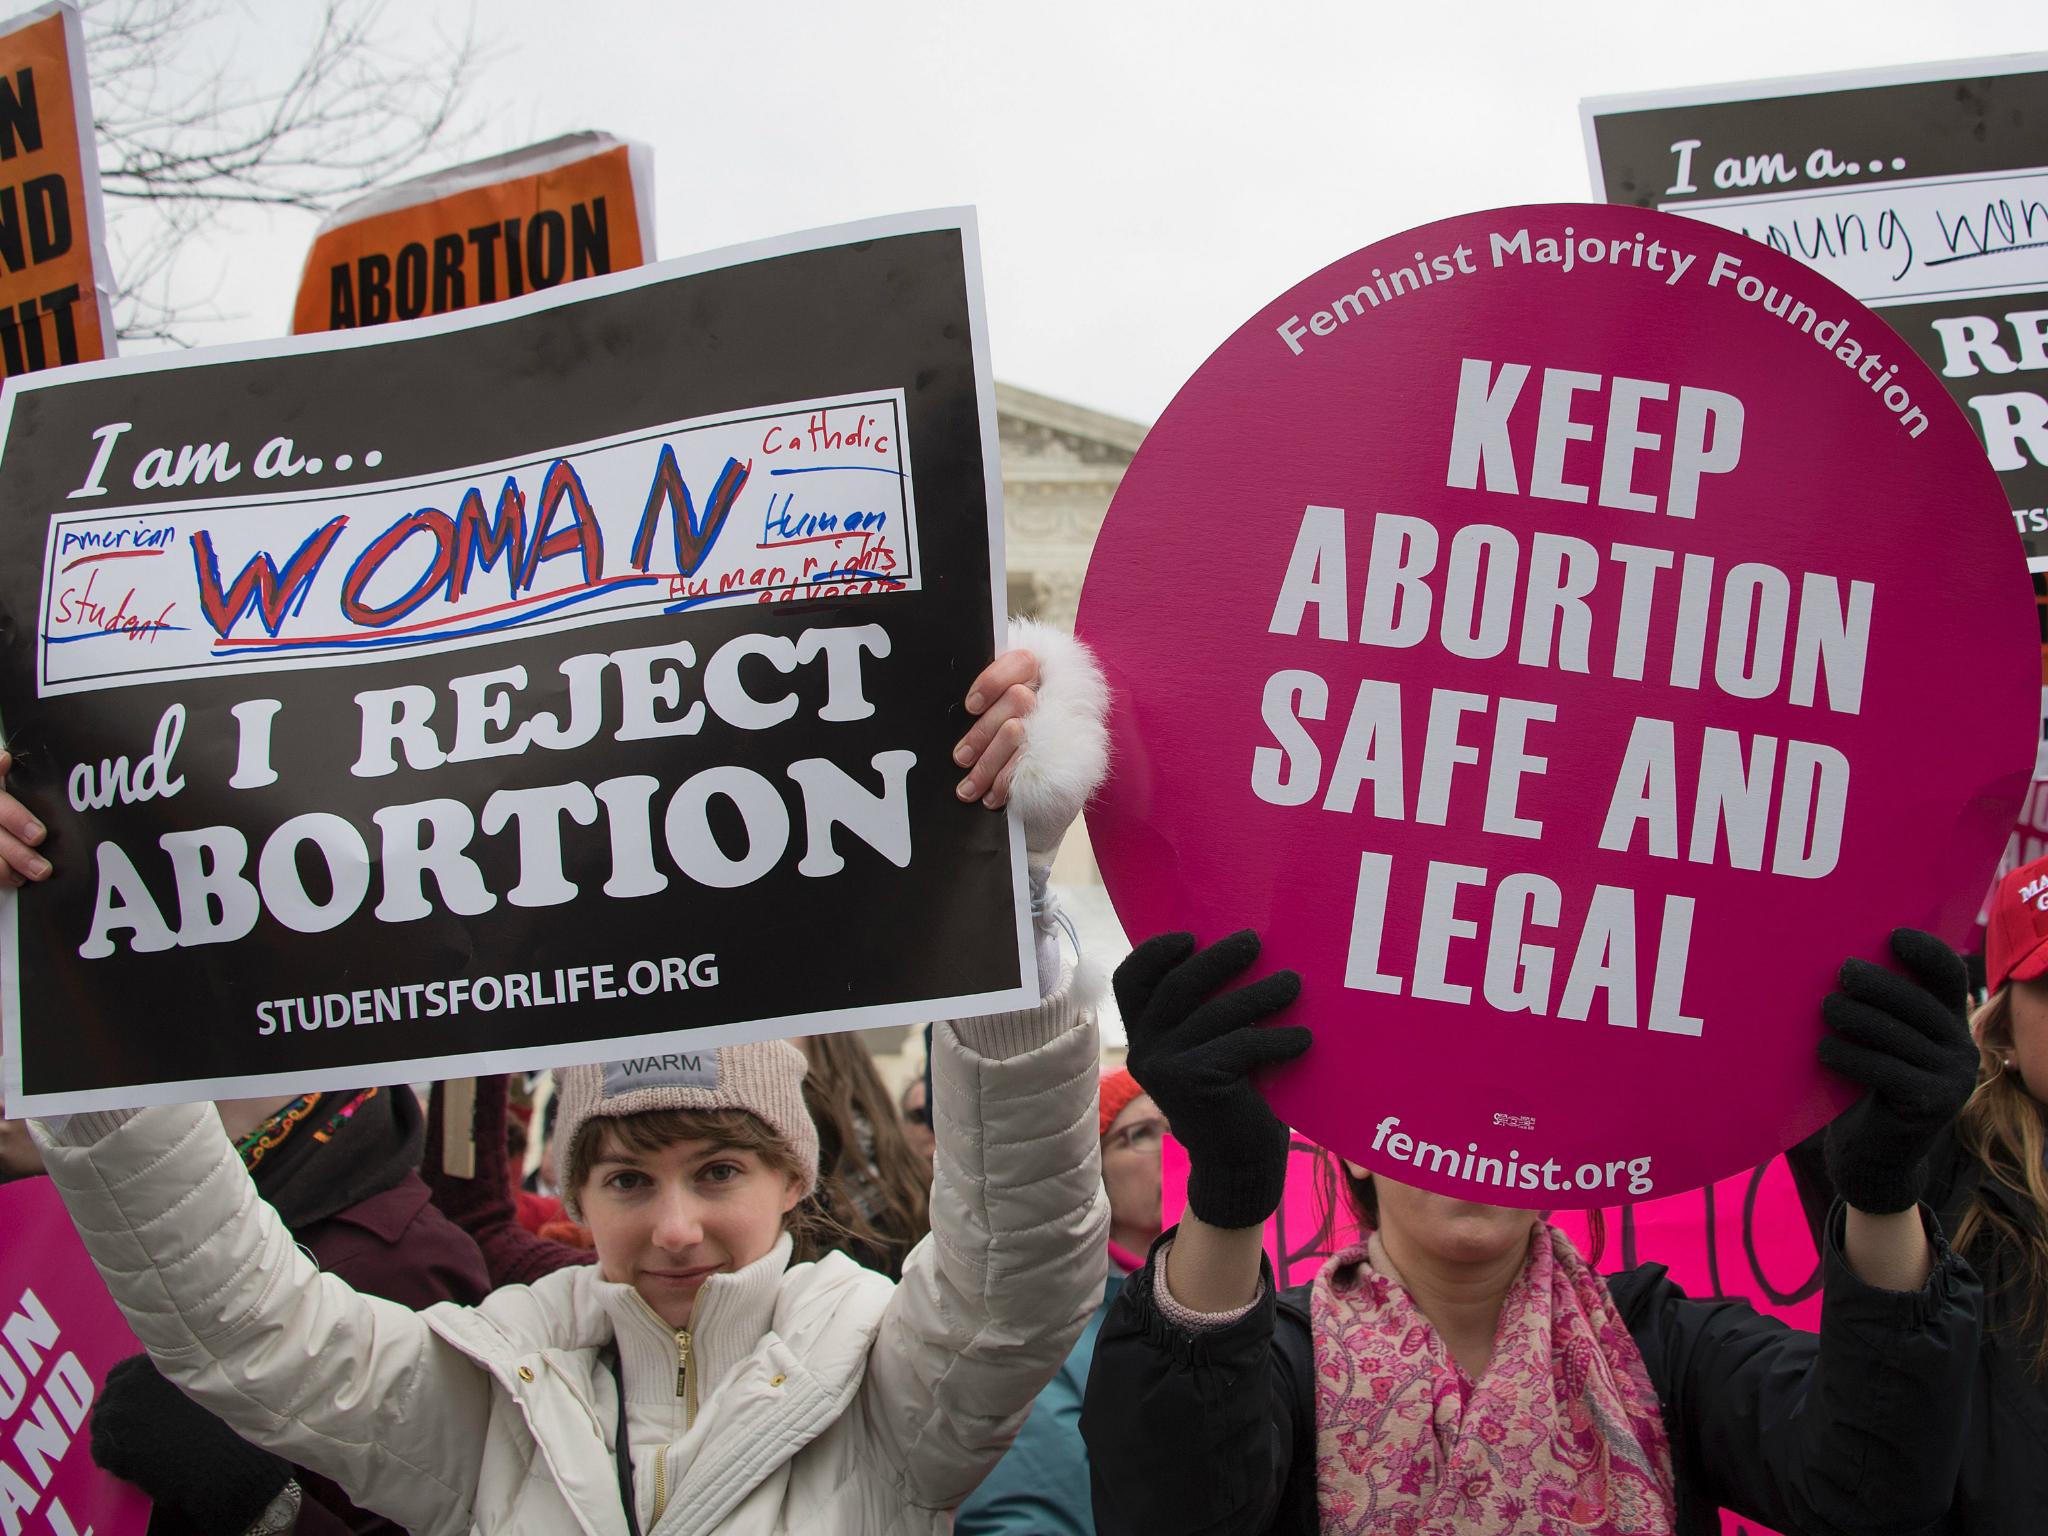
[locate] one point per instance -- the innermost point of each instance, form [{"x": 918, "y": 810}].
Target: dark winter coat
[
  {"x": 1840, "y": 1434},
  {"x": 398, "y": 1245},
  {"x": 2003, "y": 1487}
]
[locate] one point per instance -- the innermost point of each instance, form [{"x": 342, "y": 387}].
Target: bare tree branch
[{"x": 186, "y": 131}]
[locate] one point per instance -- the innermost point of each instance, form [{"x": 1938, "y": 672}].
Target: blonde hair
[{"x": 2005, "y": 1128}]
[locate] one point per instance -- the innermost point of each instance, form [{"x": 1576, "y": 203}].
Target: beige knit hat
[{"x": 765, "y": 1078}]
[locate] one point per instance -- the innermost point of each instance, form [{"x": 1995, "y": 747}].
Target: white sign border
[
  {"x": 1733, "y": 91},
  {"x": 1729, "y": 92}
]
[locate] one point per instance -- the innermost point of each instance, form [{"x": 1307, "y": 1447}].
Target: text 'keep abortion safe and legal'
[{"x": 1748, "y": 631}]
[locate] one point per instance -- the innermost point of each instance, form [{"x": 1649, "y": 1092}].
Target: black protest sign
[
  {"x": 1922, "y": 191},
  {"x": 53, "y": 266},
  {"x": 549, "y": 682}
]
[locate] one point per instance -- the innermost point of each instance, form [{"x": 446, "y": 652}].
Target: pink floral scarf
[{"x": 1561, "y": 1435}]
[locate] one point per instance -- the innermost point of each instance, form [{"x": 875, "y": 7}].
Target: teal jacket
[{"x": 1040, "y": 1488}]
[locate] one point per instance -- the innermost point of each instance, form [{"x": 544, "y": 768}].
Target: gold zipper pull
[{"x": 686, "y": 1378}]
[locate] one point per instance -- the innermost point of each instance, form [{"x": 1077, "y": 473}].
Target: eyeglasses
[{"x": 1138, "y": 1136}]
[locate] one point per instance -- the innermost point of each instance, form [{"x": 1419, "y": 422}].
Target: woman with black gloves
[
  {"x": 1466, "y": 1373},
  {"x": 1987, "y": 1180}
]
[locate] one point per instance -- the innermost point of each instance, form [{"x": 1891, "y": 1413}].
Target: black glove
[
  {"x": 1909, "y": 1043},
  {"x": 1192, "y": 1057},
  {"x": 145, "y": 1431}
]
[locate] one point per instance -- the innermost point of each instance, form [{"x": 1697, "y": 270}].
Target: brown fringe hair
[
  {"x": 2005, "y": 1128},
  {"x": 731, "y": 1130},
  {"x": 843, "y": 1089}
]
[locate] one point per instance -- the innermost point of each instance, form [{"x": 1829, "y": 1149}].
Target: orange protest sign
[
  {"x": 53, "y": 291},
  {"x": 573, "y": 207}
]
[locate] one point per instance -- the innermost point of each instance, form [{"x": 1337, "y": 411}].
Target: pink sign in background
[
  {"x": 1682, "y": 581},
  {"x": 1745, "y": 1238},
  {"x": 59, "y": 1333}
]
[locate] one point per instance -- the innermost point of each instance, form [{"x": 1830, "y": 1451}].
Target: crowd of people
[{"x": 754, "y": 1291}]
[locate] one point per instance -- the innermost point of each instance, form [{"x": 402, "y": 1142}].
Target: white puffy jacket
[{"x": 831, "y": 1401}]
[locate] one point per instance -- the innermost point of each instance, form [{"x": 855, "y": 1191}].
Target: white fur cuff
[{"x": 1066, "y": 745}]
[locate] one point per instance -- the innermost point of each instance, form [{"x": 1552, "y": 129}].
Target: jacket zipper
[
  {"x": 686, "y": 1390},
  {"x": 686, "y": 1377}
]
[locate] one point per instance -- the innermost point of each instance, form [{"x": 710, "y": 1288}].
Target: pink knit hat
[{"x": 765, "y": 1078}]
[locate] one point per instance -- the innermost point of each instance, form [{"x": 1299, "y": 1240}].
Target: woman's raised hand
[
  {"x": 1040, "y": 734},
  {"x": 20, "y": 835},
  {"x": 1906, "y": 1039},
  {"x": 1002, "y": 698}
]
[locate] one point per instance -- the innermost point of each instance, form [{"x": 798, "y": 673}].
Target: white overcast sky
[{"x": 1147, "y": 174}]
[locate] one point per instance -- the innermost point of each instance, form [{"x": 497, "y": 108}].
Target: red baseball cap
[{"x": 2016, "y": 947}]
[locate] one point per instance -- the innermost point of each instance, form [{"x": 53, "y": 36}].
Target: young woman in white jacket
[{"x": 694, "y": 1380}]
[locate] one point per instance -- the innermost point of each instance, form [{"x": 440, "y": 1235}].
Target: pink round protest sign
[{"x": 1565, "y": 633}]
